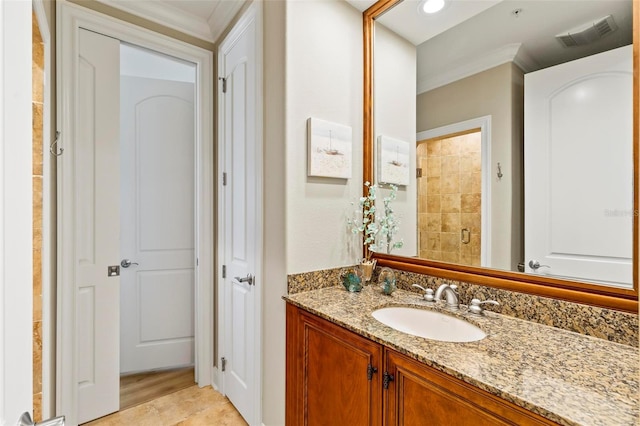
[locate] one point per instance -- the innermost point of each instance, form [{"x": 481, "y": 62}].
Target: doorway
[
  {"x": 91, "y": 272},
  {"x": 454, "y": 192},
  {"x": 135, "y": 190},
  {"x": 450, "y": 198},
  {"x": 157, "y": 206}
]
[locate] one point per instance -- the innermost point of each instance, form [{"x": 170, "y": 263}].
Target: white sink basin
[{"x": 429, "y": 324}]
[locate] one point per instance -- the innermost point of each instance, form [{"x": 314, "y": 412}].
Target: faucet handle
[
  {"x": 428, "y": 296},
  {"x": 476, "y": 308}
]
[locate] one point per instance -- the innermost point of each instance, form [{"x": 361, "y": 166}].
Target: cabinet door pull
[
  {"x": 386, "y": 378},
  {"x": 370, "y": 371}
]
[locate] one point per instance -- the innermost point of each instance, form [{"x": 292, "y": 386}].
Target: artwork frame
[
  {"x": 330, "y": 149},
  {"x": 393, "y": 165}
]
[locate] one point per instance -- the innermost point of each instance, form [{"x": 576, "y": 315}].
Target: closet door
[{"x": 97, "y": 209}]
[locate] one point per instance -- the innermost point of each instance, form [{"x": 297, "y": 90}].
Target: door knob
[
  {"x": 126, "y": 263},
  {"x": 535, "y": 265},
  {"x": 248, "y": 279},
  {"x": 25, "y": 420}
]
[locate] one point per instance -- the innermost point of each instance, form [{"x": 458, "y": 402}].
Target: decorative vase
[
  {"x": 367, "y": 267},
  {"x": 387, "y": 281},
  {"x": 351, "y": 279}
]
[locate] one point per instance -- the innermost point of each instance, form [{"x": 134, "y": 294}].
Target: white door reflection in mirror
[{"x": 579, "y": 171}]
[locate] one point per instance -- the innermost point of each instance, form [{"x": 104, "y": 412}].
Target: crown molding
[
  {"x": 167, "y": 15},
  {"x": 525, "y": 61},
  {"x": 466, "y": 67},
  {"x": 222, "y": 15}
]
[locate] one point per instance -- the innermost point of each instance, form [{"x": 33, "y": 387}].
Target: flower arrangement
[
  {"x": 389, "y": 223},
  {"x": 377, "y": 226}
]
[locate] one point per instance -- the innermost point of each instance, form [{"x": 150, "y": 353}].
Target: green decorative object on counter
[
  {"x": 387, "y": 281},
  {"x": 352, "y": 279}
]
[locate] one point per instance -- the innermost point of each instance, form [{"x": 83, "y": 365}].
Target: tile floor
[{"x": 192, "y": 406}]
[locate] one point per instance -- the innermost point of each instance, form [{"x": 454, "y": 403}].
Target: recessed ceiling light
[{"x": 431, "y": 6}]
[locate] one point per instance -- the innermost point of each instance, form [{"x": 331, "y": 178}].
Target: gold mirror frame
[{"x": 574, "y": 291}]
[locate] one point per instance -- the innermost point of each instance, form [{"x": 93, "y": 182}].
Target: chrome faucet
[{"x": 453, "y": 302}]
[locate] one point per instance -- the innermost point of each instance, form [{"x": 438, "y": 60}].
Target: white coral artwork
[
  {"x": 393, "y": 161},
  {"x": 330, "y": 149}
]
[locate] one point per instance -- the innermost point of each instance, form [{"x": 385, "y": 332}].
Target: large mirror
[{"x": 509, "y": 129}]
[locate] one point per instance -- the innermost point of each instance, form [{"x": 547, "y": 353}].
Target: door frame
[
  {"x": 484, "y": 124},
  {"x": 16, "y": 265},
  {"x": 48, "y": 224},
  {"x": 252, "y": 14},
  {"x": 70, "y": 19}
]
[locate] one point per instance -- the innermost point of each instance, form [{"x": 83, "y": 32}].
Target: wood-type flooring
[{"x": 144, "y": 387}]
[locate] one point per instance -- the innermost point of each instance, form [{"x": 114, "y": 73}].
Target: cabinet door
[
  {"x": 328, "y": 374},
  {"x": 421, "y": 395}
]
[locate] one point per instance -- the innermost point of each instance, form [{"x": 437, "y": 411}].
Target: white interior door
[
  {"x": 578, "y": 169},
  {"x": 97, "y": 209},
  {"x": 238, "y": 109},
  {"x": 157, "y": 223}
]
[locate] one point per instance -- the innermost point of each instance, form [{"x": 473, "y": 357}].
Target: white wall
[
  {"x": 274, "y": 262},
  {"x": 137, "y": 61},
  {"x": 395, "y": 116},
  {"x": 16, "y": 250},
  {"x": 324, "y": 80},
  {"x": 312, "y": 68}
]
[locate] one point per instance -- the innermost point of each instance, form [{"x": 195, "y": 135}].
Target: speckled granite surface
[
  {"x": 313, "y": 280},
  {"x": 569, "y": 378},
  {"x": 608, "y": 324}
]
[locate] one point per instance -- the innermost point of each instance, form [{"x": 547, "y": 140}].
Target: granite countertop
[{"x": 569, "y": 378}]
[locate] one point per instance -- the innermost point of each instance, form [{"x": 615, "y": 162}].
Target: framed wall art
[
  {"x": 393, "y": 161},
  {"x": 330, "y": 149}
]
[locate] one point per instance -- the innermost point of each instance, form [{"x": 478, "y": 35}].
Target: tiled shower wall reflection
[
  {"x": 449, "y": 198},
  {"x": 37, "y": 72}
]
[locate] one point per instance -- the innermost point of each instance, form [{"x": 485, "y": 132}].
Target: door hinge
[
  {"x": 224, "y": 84},
  {"x": 419, "y": 172},
  {"x": 224, "y": 271},
  {"x": 224, "y": 179},
  {"x": 223, "y": 363},
  {"x": 371, "y": 370},
  {"x": 197, "y": 262},
  {"x": 386, "y": 379}
]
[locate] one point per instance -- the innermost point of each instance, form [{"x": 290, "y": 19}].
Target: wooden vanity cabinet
[
  {"x": 421, "y": 395},
  {"x": 333, "y": 375},
  {"x": 337, "y": 377}
]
